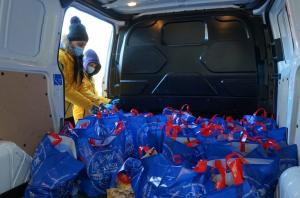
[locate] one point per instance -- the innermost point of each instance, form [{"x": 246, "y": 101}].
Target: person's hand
[
  {"x": 115, "y": 101},
  {"x": 94, "y": 109},
  {"x": 109, "y": 106}
]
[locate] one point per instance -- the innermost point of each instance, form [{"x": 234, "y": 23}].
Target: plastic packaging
[{"x": 15, "y": 166}]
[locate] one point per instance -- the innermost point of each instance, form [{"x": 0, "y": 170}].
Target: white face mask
[{"x": 90, "y": 69}]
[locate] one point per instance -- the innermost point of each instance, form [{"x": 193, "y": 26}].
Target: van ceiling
[{"x": 162, "y": 6}]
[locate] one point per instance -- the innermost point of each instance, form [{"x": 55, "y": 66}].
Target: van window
[{"x": 100, "y": 39}]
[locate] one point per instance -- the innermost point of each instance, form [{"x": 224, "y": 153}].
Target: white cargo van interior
[{"x": 219, "y": 56}]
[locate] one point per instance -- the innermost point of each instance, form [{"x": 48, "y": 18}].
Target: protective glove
[
  {"x": 109, "y": 106},
  {"x": 115, "y": 101}
]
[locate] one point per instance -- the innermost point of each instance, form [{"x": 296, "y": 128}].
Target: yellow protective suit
[
  {"x": 88, "y": 89},
  {"x": 73, "y": 91}
]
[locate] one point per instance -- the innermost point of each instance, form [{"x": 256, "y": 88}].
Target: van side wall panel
[{"x": 25, "y": 113}]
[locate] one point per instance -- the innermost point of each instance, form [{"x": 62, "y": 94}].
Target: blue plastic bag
[
  {"x": 287, "y": 155},
  {"x": 179, "y": 116},
  {"x": 96, "y": 127},
  {"x": 150, "y": 135},
  {"x": 143, "y": 130},
  {"x": 269, "y": 123},
  {"x": 280, "y": 134},
  {"x": 53, "y": 172},
  {"x": 218, "y": 150},
  {"x": 155, "y": 176},
  {"x": 262, "y": 176},
  {"x": 181, "y": 154},
  {"x": 243, "y": 190},
  {"x": 134, "y": 120},
  {"x": 210, "y": 130},
  {"x": 102, "y": 161}
]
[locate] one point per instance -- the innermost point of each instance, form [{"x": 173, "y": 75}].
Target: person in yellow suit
[
  {"x": 71, "y": 64},
  {"x": 92, "y": 66}
]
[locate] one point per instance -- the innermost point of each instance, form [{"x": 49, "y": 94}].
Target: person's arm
[
  {"x": 104, "y": 100},
  {"x": 78, "y": 113},
  {"x": 72, "y": 95},
  {"x": 87, "y": 88}
]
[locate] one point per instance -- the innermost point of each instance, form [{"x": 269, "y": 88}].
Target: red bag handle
[
  {"x": 56, "y": 137},
  {"x": 206, "y": 130},
  {"x": 169, "y": 125},
  {"x": 192, "y": 143},
  {"x": 265, "y": 114},
  {"x": 244, "y": 121},
  {"x": 246, "y": 137},
  {"x": 222, "y": 182},
  {"x": 70, "y": 125},
  {"x": 201, "y": 166},
  {"x": 273, "y": 116},
  {"x": 175, "y": 129},
  {"x": 213, "y": 118},
  {"x": 229, "y": 119},
  {"x": 232, "y": 155},
  {"x": 187, "y": 108},
  {"x": 243, "y": 141},
  {"x": 271, "y": 143},
  {"x": 143, "y": 149},
  {"x": 198, "y": 120},
  {"x": 99, "y": 115},
  {"x": 92, "y": 141},
  {"x": 236, "y": 167},
  {"x": 84, "y": 124},
  {"x": 119, "y": 127},
  {"x": 134, "y": 112},
  {"x": 177, "y": 158},
  {"x": 230, "y": 122},
  {"x": 115, "y": 109}
]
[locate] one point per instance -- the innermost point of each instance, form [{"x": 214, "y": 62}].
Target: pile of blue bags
[{"x": 194, "y": 157}]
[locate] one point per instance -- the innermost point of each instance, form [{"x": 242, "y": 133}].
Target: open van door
[{"x": 31, "y": 83}]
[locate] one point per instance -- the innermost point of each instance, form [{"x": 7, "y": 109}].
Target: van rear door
[{"x": 31, "y": 83}]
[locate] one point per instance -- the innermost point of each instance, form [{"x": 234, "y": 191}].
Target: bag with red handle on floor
[
  {"x": 102, "y": 158},
  {"x": 54, "y": 168},
  {"x": 263, "y": 119}
]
